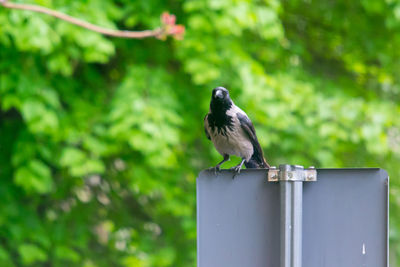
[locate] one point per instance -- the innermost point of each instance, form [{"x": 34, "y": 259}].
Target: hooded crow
[{"x": 232, "y": 132}]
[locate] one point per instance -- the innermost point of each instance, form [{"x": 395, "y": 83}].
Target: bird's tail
[{"x": 256, "y": 163}]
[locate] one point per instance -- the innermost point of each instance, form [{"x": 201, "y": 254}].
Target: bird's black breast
[{"x": 220, "y": 123}]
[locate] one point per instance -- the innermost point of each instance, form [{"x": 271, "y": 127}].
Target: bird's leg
[
  {"x": 237, "y": 168},
  {"x": 218, "y": 166}
]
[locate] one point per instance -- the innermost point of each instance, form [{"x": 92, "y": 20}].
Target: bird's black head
[{"x": 220, "y": 99}]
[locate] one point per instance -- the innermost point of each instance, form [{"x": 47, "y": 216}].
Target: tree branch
[{"x": 166, "y": 29}]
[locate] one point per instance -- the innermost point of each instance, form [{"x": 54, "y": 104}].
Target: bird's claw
[
  {"x": 237, "y": 171},
  {"x": 216, "y": 169}
]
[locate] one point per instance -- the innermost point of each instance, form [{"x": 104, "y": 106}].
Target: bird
[{"x": 232, "y": 132}]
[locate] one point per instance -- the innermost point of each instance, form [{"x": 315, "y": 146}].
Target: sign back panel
[{"x": 345, "y": 219}]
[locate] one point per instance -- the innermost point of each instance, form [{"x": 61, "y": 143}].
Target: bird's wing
[
  {"x": 248, "y": 128},
  {"x": 205, "y": 127}
]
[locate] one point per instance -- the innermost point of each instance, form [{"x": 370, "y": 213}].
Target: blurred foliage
[{"x": 101, "y": 139}]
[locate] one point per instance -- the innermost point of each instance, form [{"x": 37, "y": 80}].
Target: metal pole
[
  {"x": 291, "y": 178},
  {"x": 297, "y": 219},
  {"x": 291, "y": 190},
  {"x": 286, "y": 214}
]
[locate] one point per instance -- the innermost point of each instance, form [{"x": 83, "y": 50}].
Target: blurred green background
[{"x": 101, "y": 139}]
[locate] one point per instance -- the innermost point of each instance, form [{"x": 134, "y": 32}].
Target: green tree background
[{"x": 101, "y": 139}]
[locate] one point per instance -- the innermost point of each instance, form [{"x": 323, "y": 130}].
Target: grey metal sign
[{"x": 345, "y": 219}]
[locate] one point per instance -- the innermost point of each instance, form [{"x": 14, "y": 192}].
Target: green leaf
[
  {"x": 31, "y": 254},
  {"x": 34, "y": 177},
  {"x": 72, "y": 156},
  {"x": 65, "y": 253},
  {"x": 38, "y": 117}
]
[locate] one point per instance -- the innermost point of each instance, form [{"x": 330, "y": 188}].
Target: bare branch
[{"x": 160, "y": 33}]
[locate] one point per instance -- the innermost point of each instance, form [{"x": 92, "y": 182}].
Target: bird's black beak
[{"x": 219, "y": 94}]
